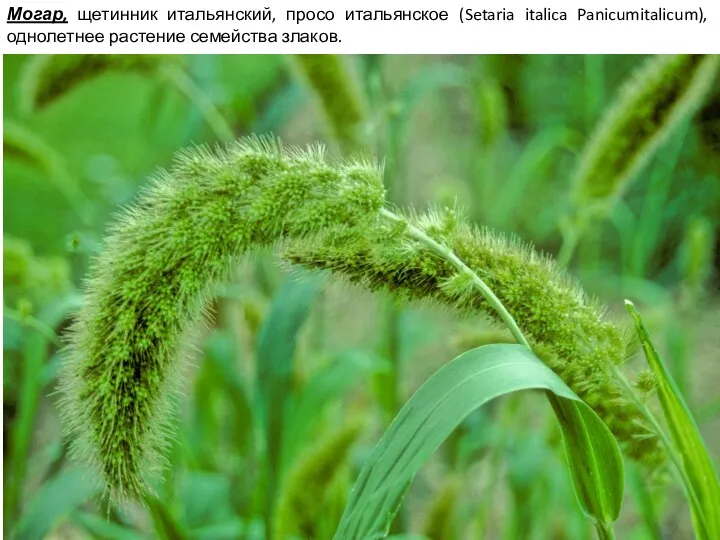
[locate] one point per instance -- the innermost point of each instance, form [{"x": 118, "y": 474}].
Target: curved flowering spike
[
  {"x": 150, "y": 284},
  {"x": 48, "y": 77},
  {"x": 665, "y": 91},
  {"x": 566, "y": 328},
  {"x": 331, "y": 81},
  {"x": 309, "y": 481}
]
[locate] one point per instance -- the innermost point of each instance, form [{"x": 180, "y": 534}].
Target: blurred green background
[{"x": 330, "y": 364}]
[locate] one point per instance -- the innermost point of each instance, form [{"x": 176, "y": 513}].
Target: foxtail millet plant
[
  {"x": 49, "y": 77},
  {"x": 309, "y": 480},
  {"x": 659, "y": 97},
  {"x": 568, "y": 330},
  {"x": 160, "y": 263},
  {"x": 150, "y": 285},
  {"x": 661, "y": 94},
  {"x": 327, "y": 75}
]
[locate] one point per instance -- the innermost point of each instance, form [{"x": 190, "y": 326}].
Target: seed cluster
[
  {"x": 664, "y": 92},
  {"x": 49, "y": 77},
  {"x": 168, "y": 251},
  {"x": 152, "y": 281},
  {"x": 309, "y": 482},
  {"x": 566, "y": 328},
  {"x": 327, "y": 75}
]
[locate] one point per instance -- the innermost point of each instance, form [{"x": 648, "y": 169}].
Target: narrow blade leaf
[
  {"x": 439, "y": 406},
  {"x": 698, "y": 473}
]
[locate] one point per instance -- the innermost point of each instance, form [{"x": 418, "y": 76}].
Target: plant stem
[
  {"x": 201, "y": 101},
  {"x": 605, "y": 531},
  {"x": 392, "y": 341},
  {"x": 393, "y": 122},
  {"x": 480, "y": 285}
]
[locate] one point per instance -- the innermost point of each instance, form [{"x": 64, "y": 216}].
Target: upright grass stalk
[
  {"x": 33, "y": 359},
  {"x": 28, "y": 281},
  {"x": 389, "y": 383},
  {"x": 38, "y": 335}
]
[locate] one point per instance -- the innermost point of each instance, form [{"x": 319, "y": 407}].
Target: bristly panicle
[
  {"x": 308, "y": 483},
  {"x": 665, "y": 91},
  {"x": 48, "y": 77},
  {"x": 152, "y": 281},
  {"x": 329, "y": 78},
  {"x": 566, "y": 328}
]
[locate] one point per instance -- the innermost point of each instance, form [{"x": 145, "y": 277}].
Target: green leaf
[
  {"x": 276, "y": 351},
  {"x": 437, "y": 408},
  {"x": 275, "y": 358},
  {"x": 223, "y": 416},
  {"x": 54, "y": 502},
  {"x": 698, "y": 474}
]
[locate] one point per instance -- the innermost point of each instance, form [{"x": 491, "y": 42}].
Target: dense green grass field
[{"x": 304, "y": 358}]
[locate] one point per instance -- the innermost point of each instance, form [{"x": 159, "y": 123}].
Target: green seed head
[
  {"x": 47, "y": 78},
  {"x": 309, "y": 480},
  {"x": 151, "y": 283},
  {"x": 646, "y": 381},
  {"x": 665, "y": 91},
  {"x": 327, "y": 75},
  {"x": 566, "y": 328}
]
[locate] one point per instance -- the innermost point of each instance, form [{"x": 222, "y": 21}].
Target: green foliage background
[{"x": 499, "y": 134}]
